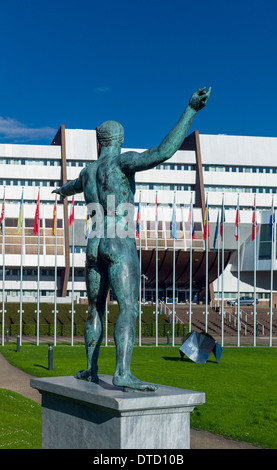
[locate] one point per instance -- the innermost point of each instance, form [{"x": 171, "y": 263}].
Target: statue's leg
[
  {"x": 124, "y": 280},
  {"x": 97, "y": 288}
]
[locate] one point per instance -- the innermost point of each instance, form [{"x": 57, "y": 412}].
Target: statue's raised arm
[{"x": 133, "y": 161}]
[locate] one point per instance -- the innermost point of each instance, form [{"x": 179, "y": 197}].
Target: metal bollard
[
  {"x": 50, "y": 356},
  {"x": 7, "y": 336},
  {"x": 18, "y": 343},
  {"x": 168, "y": 338},
  {"x": 184, "y": 333}
]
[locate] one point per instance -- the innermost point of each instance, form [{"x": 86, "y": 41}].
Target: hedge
[{"x": 147, "y": 329}]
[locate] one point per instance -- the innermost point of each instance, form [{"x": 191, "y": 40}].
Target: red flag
[
  {"x": 36, "y": 224},
  {"x": 254, "y": 223},
  {"x": 71, "y": 214},
  {"x": 206, "y": 232},
  {"x": 54, "y": 224},
  {"x": 237, "y": 224}
]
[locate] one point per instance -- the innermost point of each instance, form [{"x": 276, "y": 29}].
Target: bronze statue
[{"x": 112, "y": 261}]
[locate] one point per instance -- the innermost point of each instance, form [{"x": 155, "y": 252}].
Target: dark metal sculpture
[
  {"x": 198, "y": 347},
  {"x": 111, "y": 257}
]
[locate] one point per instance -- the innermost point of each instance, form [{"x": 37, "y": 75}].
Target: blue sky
[{"x": 137, "y": 62}]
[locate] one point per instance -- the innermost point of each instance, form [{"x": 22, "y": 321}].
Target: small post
[
  {"x": 50, "y": 356},
  {"x": 7, "y": 335},
  {"x": 168, "y": 338},
  {"x": 18, "y": 343},
  {"x": 184, "y": 333}
]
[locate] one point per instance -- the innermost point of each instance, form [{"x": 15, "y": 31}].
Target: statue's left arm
[{"x": 133, "y": 161}]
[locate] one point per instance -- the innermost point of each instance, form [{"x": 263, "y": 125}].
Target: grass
[
  {"x": 20, "y": 422},
  {"x": 241, "y": 391}
]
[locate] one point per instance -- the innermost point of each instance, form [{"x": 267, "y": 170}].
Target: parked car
[{"x": 243, "y": 301}]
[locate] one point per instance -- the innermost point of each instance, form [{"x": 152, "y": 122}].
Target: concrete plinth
[{"x": 80, "y": 415}]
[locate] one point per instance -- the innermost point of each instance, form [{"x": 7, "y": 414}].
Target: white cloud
[{"x": 15, "y": 130}]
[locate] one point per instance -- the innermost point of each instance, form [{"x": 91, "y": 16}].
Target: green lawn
[
  {"x": 20, "y": 422},
  {"x": 241, "y": 391}
]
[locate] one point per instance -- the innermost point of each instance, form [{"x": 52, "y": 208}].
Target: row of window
[
  {"x": 175, "y": 166},
  {"x": 234, "y": 295},
  {"x": 9, "y": 272},
  {"x": 241, "y": 189},
  {"x": 29, "y": 161},
  {"x": 239, "y": 169},
  {"x": 24, "y": 182},
  {"x": 165, "y": 187},
  {"x": 163, "y": 166}
]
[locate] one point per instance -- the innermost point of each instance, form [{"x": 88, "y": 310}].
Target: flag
[
  {"x": 237, "y": 222},
  {"x": 156, "y": 218},
  {"x": 36, "y": 223},
  {"x": 254, "y": 222},
  {"x": 272, "y": 222},
  {"x": 71, "y": 213},
  {"x": 222, "y": 219},
  {"x": 206, "y": 232},
  {"x": 87, "y": 227},
  {"x": 191, "y": 221},
  {"x": 138, "y": 222},
  {"x": 216, "y": 230},
  {"x": 2, "y": 214},
  {"x": 54, "y": 224},
  {"x": 20, "y": 216},
  {"x": 173, "y": 224}
]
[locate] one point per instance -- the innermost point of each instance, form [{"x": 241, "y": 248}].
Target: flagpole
[
  {"x": 255, "y": 271},
  {"x": 55, "y": 286},
  {"x": 271, "y": 270},
  {"x": 238, "y": 247},
  {"x": 218, "y": 270},
  {"x": 21, "y": 275},
  {"x": 222, "y": 272},
  {"x": 139, "y": 271},
  {"x": 4, "y": 271},
  {"x": 38, "y": 275},
  {"x": 207, "y": 267},
  {"x": 173, "y": 290},
  {"x": 72, "y": 283},
  {"x": 157, "y": 292},
  {"x": 190, "y": 265}
]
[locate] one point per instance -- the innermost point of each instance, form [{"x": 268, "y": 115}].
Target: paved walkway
[{"x": 18, "y": 381}]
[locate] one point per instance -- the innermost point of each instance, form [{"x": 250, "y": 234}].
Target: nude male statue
[{"x": 113, "y": 262}]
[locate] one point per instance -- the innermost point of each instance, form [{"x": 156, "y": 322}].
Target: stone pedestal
[{"x": 80, "y": 415}]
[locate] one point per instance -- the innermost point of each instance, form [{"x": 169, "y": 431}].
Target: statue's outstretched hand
[
  {"x": 58, "y": 191},
  {"x": 199, "y": 98}
]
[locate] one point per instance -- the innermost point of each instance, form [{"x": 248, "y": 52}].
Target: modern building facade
[{"x": 210, "y": 169}]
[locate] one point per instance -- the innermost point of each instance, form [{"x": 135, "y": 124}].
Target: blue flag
[
  {"x": 173, "y": 224},
  {"x": 216, "y": 230}
]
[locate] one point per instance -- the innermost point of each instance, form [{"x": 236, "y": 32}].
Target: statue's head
[{"x": 109, "y": 133}]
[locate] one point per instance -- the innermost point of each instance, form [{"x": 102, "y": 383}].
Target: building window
[{"x": 265, "y": 242}]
